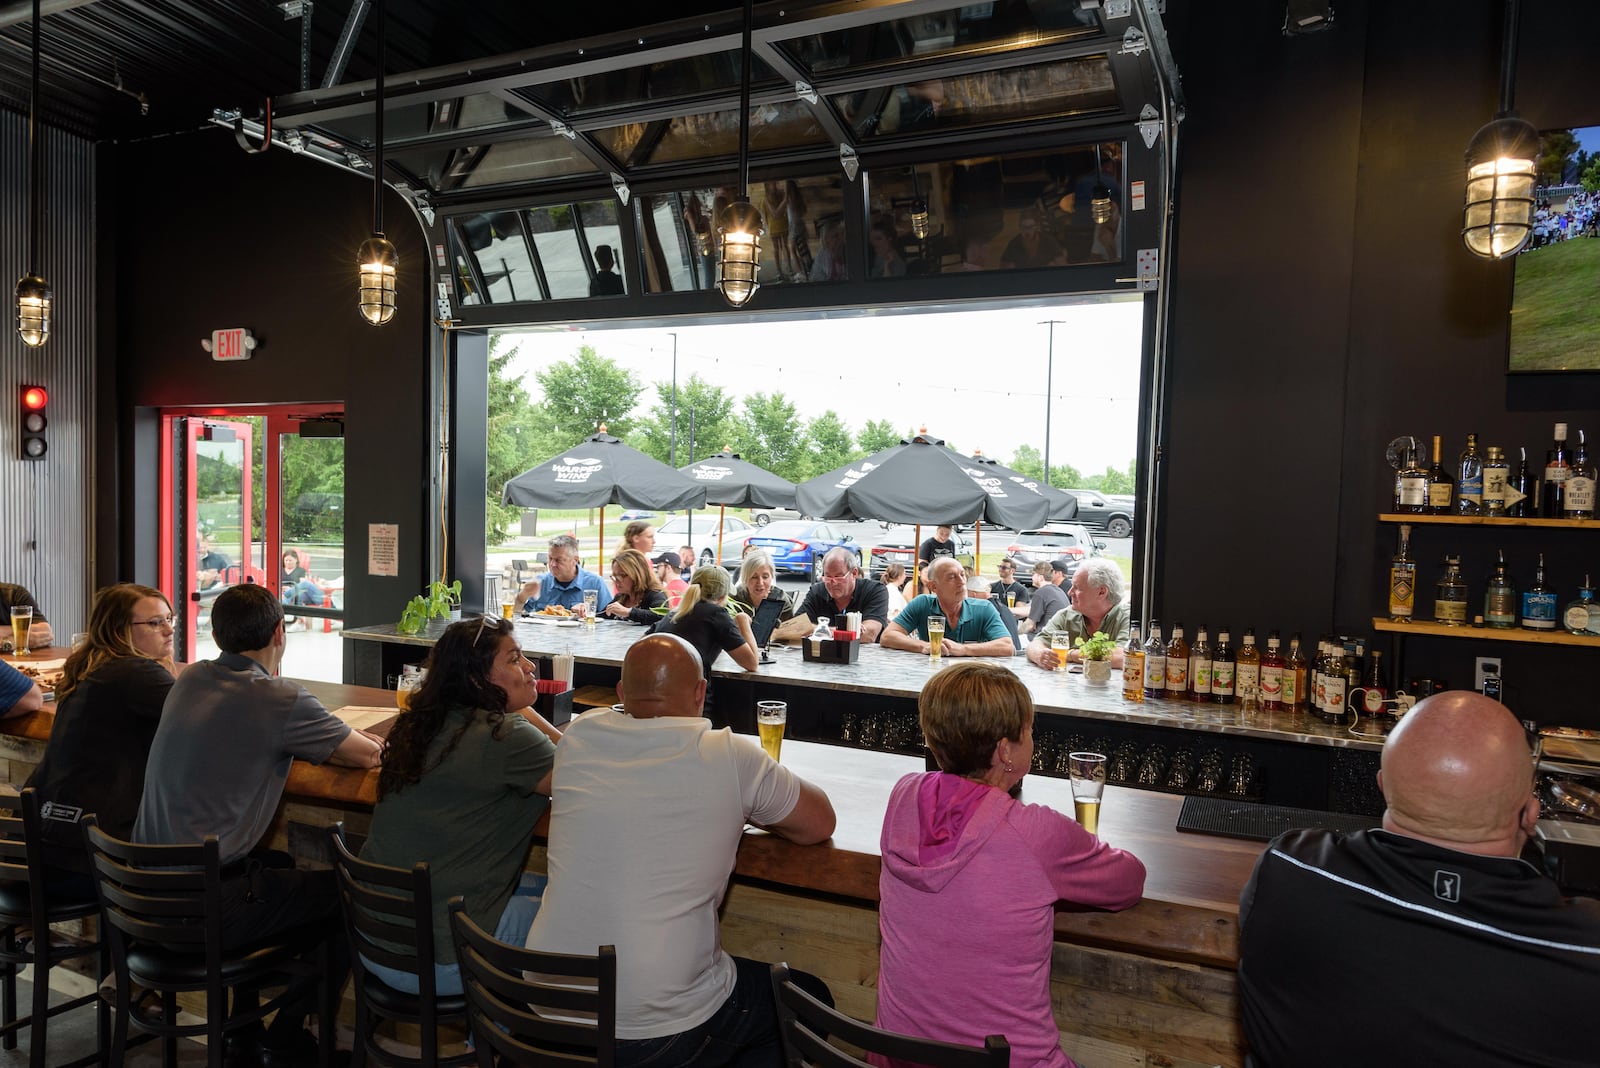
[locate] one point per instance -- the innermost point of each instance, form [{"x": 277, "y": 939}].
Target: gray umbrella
[
  {"x": 1063, "y": 505},
  {"x": 736, "y": 483}
]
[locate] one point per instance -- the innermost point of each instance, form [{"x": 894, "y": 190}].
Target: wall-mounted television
[{"x": 1555, "y": 316}]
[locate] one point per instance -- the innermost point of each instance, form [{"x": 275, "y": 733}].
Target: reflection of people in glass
[
  {"x": 976, "y": 255},
  {"x": 701, "y": 239},
  {"x": 775, "y": 208},
  {"x": 886, "y": 259},
  {"x": 295, "y": 587},
  {"x": 795, "y": 200},
  {"x": 606, "y": 281},
  {"x": 830, "y": 265},
  {"x": 1032, "y": 247},
  {"x": 208, "y": 572}
]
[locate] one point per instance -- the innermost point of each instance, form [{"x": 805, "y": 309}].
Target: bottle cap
[{"x": 1561, "y": 432}]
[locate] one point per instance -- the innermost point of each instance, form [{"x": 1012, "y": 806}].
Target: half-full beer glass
[{"x": 770, "y": 719}]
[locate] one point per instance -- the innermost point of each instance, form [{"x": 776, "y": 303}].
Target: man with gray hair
[
  {"x": 565, "y": 582},
  {"x": 972, "y": 627},
  {"x": 841, "y": 590},
  {"x": 1097, "y": 602}
]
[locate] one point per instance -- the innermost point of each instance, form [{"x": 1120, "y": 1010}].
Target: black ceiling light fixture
[
  {"x": 1100, "y": 195},
  {"x": 33, "y": 292},
  {"x": 376, "y": 257},
  {"x": 739, "y": 230},
  {"x": 921, "y": 224},
  {"x": 1502, "y": 165}
]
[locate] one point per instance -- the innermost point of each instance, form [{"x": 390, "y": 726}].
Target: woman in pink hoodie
[{"x": 970, "y": 876}]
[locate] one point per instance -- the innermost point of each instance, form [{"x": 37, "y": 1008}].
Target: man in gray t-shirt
[{"x": 1048, "y": 598}]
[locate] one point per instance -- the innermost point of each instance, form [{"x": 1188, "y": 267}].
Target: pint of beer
[
  {"x": 21, "y": 623},
  {"x": 770, "y": 719},
  {"x": 1088, "y": 771},
  {"x": 935, "y": 637}
]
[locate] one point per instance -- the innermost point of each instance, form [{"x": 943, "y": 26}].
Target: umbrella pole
[
  {"x": 977, "y": 552},
  {"x": 600, "y": 552},
  {"x": 722, "y": 516},
  {"x": 916, "y": 562}
]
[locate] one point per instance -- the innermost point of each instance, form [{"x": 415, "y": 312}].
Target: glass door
[{"x": 211, "y": 535}]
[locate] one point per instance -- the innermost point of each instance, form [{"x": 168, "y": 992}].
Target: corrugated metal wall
[{"x": 46, "y": 518}]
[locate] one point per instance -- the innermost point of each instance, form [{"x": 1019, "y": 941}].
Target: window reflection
[
  {"x": 942, "y": 33},
  {"x": 495, "y": 265},
  {"x": 716, "y": 133}
]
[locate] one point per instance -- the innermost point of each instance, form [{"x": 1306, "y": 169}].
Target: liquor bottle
[
  {"x": 1133, "y": 667},
  {"x": 1500, "y": 598},
  {"x": 1200, "y": 667},
  {"x": 1319, "y": 677},
  {"x": 1375, "y": 685},
  {"x": 1578, "y": 494},
  {"x": 1469, "y": 475},
  {"x": 1223, "y": 667},
  {"x": 1539, "y": 602},
  {"x": 1272, "y": 676},
  {"x": 1578, "y": 613},
  {"x": 1523, "y": 500},
  {"x": 1441, "y": 487},
  {"x": 1337, "y": 684},
  {"x": 1496, "y": 479},
  {"x": 1247, "y": 669},
  {"x": 1355, "y": 654},
  {"x": 1450, "y": 595},
  {"x": 1557, "y": 467},
  {"x": 1402, "y": 580},
  {"x": 1177, "y": 665},
  {"x": 1155, "y": 663},
  {"x": 1413, "y": 496},
  {"x": 1294, "y": 676}
]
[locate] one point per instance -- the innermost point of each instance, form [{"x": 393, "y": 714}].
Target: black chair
[
  {"x": 807, "y": 1025},
  {"x": 24, "y": 903},
  {"x": 161, "y": 906},
  {"x": 388, "y": 918},
  {"x": 540, "y": 1021}
]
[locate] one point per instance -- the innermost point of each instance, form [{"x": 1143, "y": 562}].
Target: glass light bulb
[{"x": 378, "y": 264}]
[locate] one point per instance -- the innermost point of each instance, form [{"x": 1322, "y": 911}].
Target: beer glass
[
  {"x": 591, "y": 603},
  {"x": 410, "y": 678},
  {"x": 1011, "y": 598},
  {"x": 508, "y": 607},
  {"x": 1061, "y": 645},
  {"x": 21, "y": 623},
  {"x": 935, "y": 637},
  {"x": 770, "y": 719},
  {"x": 1088, "y": 771}
]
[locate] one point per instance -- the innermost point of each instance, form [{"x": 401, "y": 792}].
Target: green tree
[
  {"x": 713, "y": 423},
  {"x": 877, "y": 435},
  {"x": 1555, "y": 148},
  {"x": 1027, "y": 461},
  {"x": 828, "y": 444},
  {"x": 1112, "y": 481},
  {"x": 770, "y": 436},
  {"x": 1591, "y": 176},
  {"x": 590, "y": 389},
  {"x": 517, "y": 432}
]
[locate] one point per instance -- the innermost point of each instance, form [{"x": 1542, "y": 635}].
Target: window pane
[
  {"x": 943, "y": 33},
  {"x": 556, "y": 238},
  {"x": 405, "y": 121},
  {"x": 652, "y": 82},
  {"x": 716, "y": 133},
  {"x": 494, "y": 240},
  {"x": 527, "y": 161},
  {"x": 601, "y": 231}
]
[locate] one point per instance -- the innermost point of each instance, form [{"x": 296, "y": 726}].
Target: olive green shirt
[{"x": 1069, "y": 621}]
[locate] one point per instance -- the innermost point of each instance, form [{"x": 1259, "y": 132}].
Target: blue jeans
[
  {"x": 742, "y": 1033},
  {"x": 512, "y": 929}
]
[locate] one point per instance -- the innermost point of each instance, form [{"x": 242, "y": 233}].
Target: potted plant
[
  {"x": 1096, "y": 651},
  {"x": 440, "y": 601}
]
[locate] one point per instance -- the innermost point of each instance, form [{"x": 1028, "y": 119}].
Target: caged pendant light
[
  {"x": 1502, "y": 166},
  {"x": 1100, "y": 195},
  {"x": 376, "y": 258},
  {"x": 739, "y": 229},
  {"x": 33, "y": 292}
]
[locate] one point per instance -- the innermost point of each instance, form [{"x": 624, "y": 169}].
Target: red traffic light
[{"x": 34, "y": 398}]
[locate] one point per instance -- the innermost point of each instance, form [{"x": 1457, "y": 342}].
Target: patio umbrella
[
  {"x": 730, "y": 481},
  {"x": 1063, "y": 505},
  {"x": 598, "y": 471}
]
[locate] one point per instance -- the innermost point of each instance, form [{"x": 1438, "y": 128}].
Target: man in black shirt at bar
[
  {"x": 841, "y": 590},
  {"x": 1427, "y": 941}
]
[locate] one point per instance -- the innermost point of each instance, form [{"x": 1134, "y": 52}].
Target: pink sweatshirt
[{"x": 970, "y": 877}]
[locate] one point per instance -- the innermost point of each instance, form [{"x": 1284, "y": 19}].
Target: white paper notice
[{"x": 383, "y": 549}]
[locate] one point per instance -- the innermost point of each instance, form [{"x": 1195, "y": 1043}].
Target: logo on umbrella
[
  {"x": 707, "y": 473},
  {"x": 575, "y": 468},
  {"x": 991, "y": 485},
  {"x": 852, "y": 476}
]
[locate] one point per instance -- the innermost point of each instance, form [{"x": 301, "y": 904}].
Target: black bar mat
[{"x": 1241, "y": 819}]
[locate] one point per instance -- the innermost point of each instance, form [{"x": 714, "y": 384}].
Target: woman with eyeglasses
[
  {"x": 637, "y": 589},
  {"x": 108, "y": 704},
  {"x": 466, "y": 776}
]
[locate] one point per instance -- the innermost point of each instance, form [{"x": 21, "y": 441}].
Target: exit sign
[{"x": 234, "y": 344}]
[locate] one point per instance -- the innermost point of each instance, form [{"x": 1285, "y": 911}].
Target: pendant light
[
  {"x": 1502, "y": 165},
  {"x": 33, "y": 292},
  {"x": 739, "y": 229},
  {"x": 376, "y": 258},
  {"x": 1100, "y": 195},
  {"x": 921, "y": 225}
]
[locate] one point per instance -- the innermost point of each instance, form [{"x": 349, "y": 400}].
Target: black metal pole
[
  {"x": 1508, "y": 54},
  {"x": 377, "y": 155},
  {"x": 744, "y": 106},
  {"x": 35, "y": 169},
  {"x": 674, "y": 446}
]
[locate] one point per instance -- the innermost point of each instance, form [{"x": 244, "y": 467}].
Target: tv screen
[{"x": 1555, "y": 318}]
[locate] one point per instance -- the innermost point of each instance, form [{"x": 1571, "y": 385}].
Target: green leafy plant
[
  {"x": 1098, "y": 646},
  {"x": 435, "y": 603}
]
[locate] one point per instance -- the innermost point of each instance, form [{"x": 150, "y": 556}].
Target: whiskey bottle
[
  {"x": 1496, "y": 479},
  {"x": 1177, "y": 665},
  {"x": 1294, "y": 676},
  {"x": 1557, "y": 468},
  {"x": 1578, "y": 494},
  {"x": 1441, "y": 487},
  {"x": 1402, "y": 580},
  {"x": 1500, "y": 598},
  {"x": 1247, "y": 669},
  {"x": 1450, "y": 595},
  {"x": 1133, "y": 667},
  {"x": 1272, "y": 676},
  {"x": 1223, "y": 667},
  {"x": 1469, "y": 476},
  {"x": 1522, "y": 502},
  {"x": 1155, "y": 663},
  {"x": 1412, "y": 498},
  {"x": 1579, "y": 613},
  {"x": 1539, "y": 602},
  {"x": 1200, "y": 667}
]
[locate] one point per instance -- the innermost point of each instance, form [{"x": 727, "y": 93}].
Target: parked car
[
  {"x": 762, "y": 516},
  {"x": 1070, "y": 541},
  {"x": 796, "y": 545},
  {"x": 635, "y": 513},
  {"x": 899, "y": 545},
  {"x": 1099, "y": 512},
  {"x": 675, "y": 532}
]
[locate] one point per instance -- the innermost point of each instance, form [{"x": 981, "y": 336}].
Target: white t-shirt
[{"x": 646, "y": 816}]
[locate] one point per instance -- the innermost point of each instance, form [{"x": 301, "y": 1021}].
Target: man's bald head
[
  {"x": 662, "y": 676},
  {"x": 1457, "y": 771}
]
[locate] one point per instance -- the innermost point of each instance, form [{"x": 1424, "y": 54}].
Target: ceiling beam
[{"x": 22, "y": 11}]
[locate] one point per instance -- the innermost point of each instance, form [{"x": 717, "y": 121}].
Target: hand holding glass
[
  {"x": 1061, "y": 645},
  {"x": 770, "y": 719},
  {"x": 1088, "y": 771}
]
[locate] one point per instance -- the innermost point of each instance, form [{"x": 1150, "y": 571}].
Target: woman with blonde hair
[
  {"x": 757, "y": 584},
  {"x": 702, "y": 619},
  {"x": 637, "y": 535},
  {"x": 108, "y": 704},
  {"x": 636, "y": 589}
]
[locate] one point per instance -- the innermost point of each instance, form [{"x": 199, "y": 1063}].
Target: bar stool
[{"x": 24, "y": 902}]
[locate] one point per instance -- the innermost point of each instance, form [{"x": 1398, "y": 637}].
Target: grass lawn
[{"x": 1555, "y": 318}]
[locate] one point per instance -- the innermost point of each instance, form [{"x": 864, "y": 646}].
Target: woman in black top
[
  {"x": 107, "y": 707},
  {"x": 636, "y": 588},
  {"x": 702, "y": 619},
  {"x": 756, "y": 584}
]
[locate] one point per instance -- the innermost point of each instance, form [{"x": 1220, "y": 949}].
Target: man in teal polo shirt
[{"x": 972, "y": 627}]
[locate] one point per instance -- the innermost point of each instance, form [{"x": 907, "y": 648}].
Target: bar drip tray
[{"x": 1262, "y": 823}]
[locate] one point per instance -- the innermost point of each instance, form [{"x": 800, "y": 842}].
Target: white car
[{"x": 674, "y": 533}]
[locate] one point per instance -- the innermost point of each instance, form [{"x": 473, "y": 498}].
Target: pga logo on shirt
[{"x": 1447, "y": 885}]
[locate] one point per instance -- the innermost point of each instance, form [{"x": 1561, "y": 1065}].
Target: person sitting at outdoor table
[
  {"x": 1048, "y": 596},
  {"x": 465, "y": 778},
  {"x": 1007, "y": 585},
  {"x": 565, "y": 582},
  {"x": 1096, "y": 603},
  {"x": 757, "y": 584},
  {"x": 19, "y": 694},
  {"x": 14, "y": 596},
  {"x": 669, "y": 575},
  {"x": 638, "y": 590},
  {"x": 971, "y": 877},
  {"x": 685, "y": 562},
  {"x": 702, "y": 619},
  {"x": 894, "y": 579},
  {"x": 972, "y": 627},
  {"x": 842, "y": 590},
  {"x": 637, "y": 535},
  {"x": 108, "y": 705}
]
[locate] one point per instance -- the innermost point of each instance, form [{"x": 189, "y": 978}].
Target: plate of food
[
  {"x": 47, "y": 673},
  {"x": 555, "y": 616}
]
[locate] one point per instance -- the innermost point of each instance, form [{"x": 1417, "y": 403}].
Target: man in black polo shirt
[
  {"x": 841, "y": 590},
  {"x": 1465, "y": 954}
]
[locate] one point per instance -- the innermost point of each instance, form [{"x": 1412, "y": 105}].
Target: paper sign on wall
[{"x": 383, "y": 549}]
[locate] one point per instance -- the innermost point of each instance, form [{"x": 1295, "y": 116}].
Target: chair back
[
  {"x": 388, "y": 915},
  {"x": 19, "y": 825},
  {"x": 567, "y": 1016},
  {"x": 169, "y": 895},
  {"x": 806, "y": 1026}
]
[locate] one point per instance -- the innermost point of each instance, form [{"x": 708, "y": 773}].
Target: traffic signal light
[{"x": 35, "y": 421}]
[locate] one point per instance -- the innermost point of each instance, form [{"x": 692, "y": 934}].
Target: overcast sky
[{"x": 976, "y": 379}]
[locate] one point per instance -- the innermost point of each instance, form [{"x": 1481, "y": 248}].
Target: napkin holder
[
  {"x": 554, "y": 705},
  {"x": 830, "y": 651}
]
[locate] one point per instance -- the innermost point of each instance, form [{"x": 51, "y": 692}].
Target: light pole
[
  {"x": 1049, "y": 368},
  {"x": 674, "y": 448}
]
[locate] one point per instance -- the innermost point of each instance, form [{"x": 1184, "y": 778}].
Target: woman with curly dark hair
[{"x": 466, "y": 776}]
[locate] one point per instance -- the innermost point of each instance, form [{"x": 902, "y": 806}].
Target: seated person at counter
[
  {"x": 1097, "y": 597},
  {"x": 19, "y": 694},
  {"x": 564, "y": 583},
  {"x": 638, "y": 590},
  {"x": 941, "y": 544},
  {"x": 702, "y": 619},
  {"x": 647, "y": 814},
  {"x": 1480, "y": 957},
  {"x": 841, "y": 590},
  {"x": 229, "y": 731},
  {"x": 971, "y": 876},
  {"x": 465, "y": 778},
  {"x": 14, "y": 596},
  {"x": 971, "y": 627},
  {"x": 670, "y": 576},
  {"x": 1048, "y": 596},
  {"x": 757, "y": 584},
  {"x": 108, "y": 705},
  {"x": 1007, "y": 586}
]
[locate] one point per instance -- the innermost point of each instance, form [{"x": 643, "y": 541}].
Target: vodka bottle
[
  {"x": 1578, "y": 494},
  {"x": 1469, "y": 476},
  {"x": 1539, "y": 602},
  {"x": 1500, "y": 597}
]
